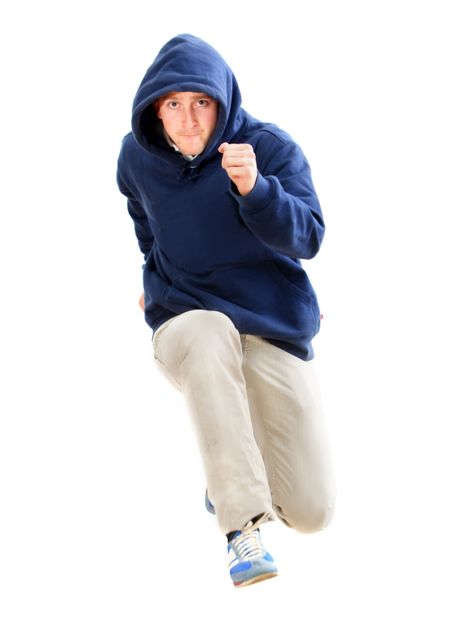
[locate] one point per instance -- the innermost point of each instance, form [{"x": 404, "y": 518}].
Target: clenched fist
[{"x": 239, "y": 161}]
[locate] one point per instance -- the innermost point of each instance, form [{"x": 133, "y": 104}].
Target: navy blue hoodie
[{"x": 204, "y": 245}]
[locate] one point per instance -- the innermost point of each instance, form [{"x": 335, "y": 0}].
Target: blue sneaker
[
  {"x": 208, "y": 504},
  {"x": 249, "y": 561}
]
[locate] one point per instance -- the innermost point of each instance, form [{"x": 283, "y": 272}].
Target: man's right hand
[{"x": 141, "y": 302}]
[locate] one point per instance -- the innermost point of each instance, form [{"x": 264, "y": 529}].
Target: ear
[{"x": 156, "y": 107}]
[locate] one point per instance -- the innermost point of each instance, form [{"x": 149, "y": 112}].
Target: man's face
[{"x": 189, "y": 119}]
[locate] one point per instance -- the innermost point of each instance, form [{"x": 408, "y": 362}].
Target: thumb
[{"x": 223, "y": 147}]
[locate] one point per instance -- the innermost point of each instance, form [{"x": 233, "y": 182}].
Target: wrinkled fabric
[{"x": 257, "y": 416}]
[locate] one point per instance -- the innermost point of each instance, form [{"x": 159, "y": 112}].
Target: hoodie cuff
[{"x": 258, "y": 198}]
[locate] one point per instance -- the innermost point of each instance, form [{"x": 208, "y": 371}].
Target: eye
[
  {"x": 202, "y": 102},
  {"x": 172, "y": 104}
]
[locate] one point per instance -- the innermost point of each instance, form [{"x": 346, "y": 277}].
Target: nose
[{"x": 190, "y": 118}]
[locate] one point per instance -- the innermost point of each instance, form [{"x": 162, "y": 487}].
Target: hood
[{"x": 186, "y": 63}]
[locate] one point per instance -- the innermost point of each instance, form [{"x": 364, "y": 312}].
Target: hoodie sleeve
[
  {"x": 283, "y": 210},
  {"x": 142, "y": 227}
]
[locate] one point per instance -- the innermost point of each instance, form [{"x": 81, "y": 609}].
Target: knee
[
  {"x": 200, "y": 323},
  {"x": 198, "y": 341},
  {"x": 212, "y": 322},
  {"x": 205, "y": 332},
  {"x": 308, "y": 518}
]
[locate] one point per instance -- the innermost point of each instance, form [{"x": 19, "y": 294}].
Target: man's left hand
[{"x": 239, "y": 161}]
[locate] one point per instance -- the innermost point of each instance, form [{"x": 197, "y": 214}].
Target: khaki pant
[{"x": 257, "y": 418}]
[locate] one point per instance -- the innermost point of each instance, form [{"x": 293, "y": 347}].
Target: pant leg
[
  {"x": 200, "y": 353},
  {"x": 290, "y": 428}
]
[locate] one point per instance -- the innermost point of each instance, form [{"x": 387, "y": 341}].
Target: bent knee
[
  {"x": 212, "y": 321},
  {"x": 201, "y": 325},
  {"x": 308, "y": 519},
  {"x": 207, "y": 332}
]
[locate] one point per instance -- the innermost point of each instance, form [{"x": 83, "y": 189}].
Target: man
[{"x": 224, "y": 209}]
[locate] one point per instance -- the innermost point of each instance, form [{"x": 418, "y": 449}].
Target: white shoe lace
[{"x": 248, "y": 545}]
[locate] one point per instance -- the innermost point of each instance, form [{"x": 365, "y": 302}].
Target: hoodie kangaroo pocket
[
  {"x": 257, "y": 299},
  {"x": 292, "y": 284},
  {"x": 295, "y": 286}
]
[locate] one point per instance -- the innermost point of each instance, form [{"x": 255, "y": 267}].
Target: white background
[{"x": 101, "y": 496}]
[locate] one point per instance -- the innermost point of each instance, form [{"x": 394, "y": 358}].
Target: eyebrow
[{"x": 197, "y": 96}]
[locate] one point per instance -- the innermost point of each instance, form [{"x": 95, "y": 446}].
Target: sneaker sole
[{"x": 256, "y": 579}]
